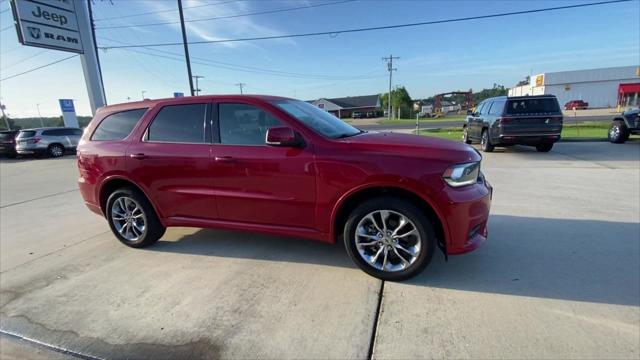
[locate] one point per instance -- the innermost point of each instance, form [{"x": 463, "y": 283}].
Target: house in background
[{"x": 368, "y": 105}]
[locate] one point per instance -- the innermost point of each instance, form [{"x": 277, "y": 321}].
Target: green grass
[
  {"x": 422, "y": 120},
  {"x": 580, "y": 131}
]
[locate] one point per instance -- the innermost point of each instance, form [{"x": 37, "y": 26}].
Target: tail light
[
  {"x": 35, "y": 140},
  {"x": 503, "y": 120}
]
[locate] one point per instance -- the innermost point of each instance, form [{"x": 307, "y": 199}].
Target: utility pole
[
  {"x": 186, "y": 47},
  {"x": 241, "y": 85},
  {"x": 391, "y": 69},
  {"x": 197, "y": 89},
  {"x": 142, "y": 92}
]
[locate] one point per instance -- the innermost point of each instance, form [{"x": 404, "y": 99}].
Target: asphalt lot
[{"x": 558, "y": 278}]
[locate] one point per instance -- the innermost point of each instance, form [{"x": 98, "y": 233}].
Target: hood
[{"x": 414, "y": 146}]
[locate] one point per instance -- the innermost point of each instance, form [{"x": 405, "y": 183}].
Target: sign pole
[{"x": 89, "y": 59}]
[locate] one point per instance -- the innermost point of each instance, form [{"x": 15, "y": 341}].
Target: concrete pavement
[{"x": 558, "y": 278}]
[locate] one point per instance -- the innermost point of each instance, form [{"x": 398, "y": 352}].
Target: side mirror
[
  {"x": 283, "y": 136},
  {"x": 469, "y": 112}
]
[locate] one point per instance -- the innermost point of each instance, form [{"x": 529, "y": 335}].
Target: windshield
[{"x": 317, "y": 119}]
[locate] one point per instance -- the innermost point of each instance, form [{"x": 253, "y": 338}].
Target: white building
[{"x": 606, "y": 87}]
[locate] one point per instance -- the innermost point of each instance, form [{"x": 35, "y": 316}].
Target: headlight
[{"x": 462, "y": 174}]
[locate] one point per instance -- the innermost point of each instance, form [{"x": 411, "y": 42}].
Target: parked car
[
  {"x": 576, "y": 104},
  {"x": 8, "y": 143},
  {"x": 358, "y": 115},
  {"x": 525, "y": 120},
  {"x": 625, "y": 125},
  {"x": 282, "y": 166},
  {"x": 48, "y": 141}
]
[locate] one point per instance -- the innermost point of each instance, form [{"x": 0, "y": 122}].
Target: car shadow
[
  {"x": 577, "y": 260},
  {"x": 231, "y": 244}
]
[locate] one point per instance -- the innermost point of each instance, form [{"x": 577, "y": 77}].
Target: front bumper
[{"x": 467, "y": 216}]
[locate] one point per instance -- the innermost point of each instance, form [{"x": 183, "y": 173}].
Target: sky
[{"x": 434, "y": 58}]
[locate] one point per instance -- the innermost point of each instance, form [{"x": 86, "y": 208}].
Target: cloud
[{"x": 239, "y": 27}]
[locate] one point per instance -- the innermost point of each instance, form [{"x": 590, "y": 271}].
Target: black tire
[
  {"x": 485, "y": 142},
  {"x": 55, "y": 150},
  {"x": 465, "y": 135},
  {"x": 618, "y": 132},
  {"x": 153, "y": 229},
  {"x": 544, "y": 147},
  {"x": 409, "y": 211}
]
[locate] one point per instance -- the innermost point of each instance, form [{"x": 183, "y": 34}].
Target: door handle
[
  {"x": 138, "y": 156},
  {"x": 224, "y": 159}
]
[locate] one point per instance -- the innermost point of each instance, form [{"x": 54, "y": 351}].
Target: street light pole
[{"x": 40, "y": 115}]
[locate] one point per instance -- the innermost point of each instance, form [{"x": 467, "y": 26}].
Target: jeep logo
[
  {"x": 34, "y": 32},
  {"x": 51, "y": 16}
]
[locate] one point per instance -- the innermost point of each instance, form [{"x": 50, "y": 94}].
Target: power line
[
  {"x": 228, "y": 16},
  {"x": 250, "y": 69},
  {"x": 5, "y": 67},
  {"x": 39, "y": 67},
  {"x": 205, "y": 62},
  {"x": 336, "y": 32},
  {"x": 6, "y": 28},
  {"x": 162, "y": 11}
]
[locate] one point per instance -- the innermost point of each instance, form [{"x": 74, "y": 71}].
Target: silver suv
[{"x": 51, "y": 141}]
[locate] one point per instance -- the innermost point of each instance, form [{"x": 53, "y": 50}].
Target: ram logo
[{"x": 34, "y": 32}]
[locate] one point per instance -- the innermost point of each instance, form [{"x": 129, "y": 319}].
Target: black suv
[
  {"x": 523, "y": 120},
  {"x": 8, "y": 143},
  {"x": 624, "y": 125}
]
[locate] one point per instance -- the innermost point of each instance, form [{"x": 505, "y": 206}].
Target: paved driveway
[{"x": 558, "y": 278}]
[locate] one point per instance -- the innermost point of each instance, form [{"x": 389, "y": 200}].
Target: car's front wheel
[
  {"x": 389, "y": 238},
  {"x": 132, "y": 218},
  {"x": 618, "y": 132},
  {"x": 465, "y": 135}
]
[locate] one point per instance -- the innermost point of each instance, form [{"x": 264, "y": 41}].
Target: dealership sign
[{"x": 50, "y": 24}]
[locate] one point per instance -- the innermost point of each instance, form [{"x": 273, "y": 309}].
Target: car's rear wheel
[
  {"x": 389, "y": 238},
  {"x": 132, "y": 218},
  {"x": 618, "y": 132},
  {"x": 544, "y": 147},
  {"x": 485, "y": 141},
  {"x": 465, "y": 135},
  {"x": 56, "y": 150}
]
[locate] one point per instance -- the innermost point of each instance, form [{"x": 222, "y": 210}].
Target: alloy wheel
[
  {"x": 614, "y": 133},
  {"x": 128, "y": 218},
  {"x": 57, "y": 151},
  {"x": 387, "y": 240}
]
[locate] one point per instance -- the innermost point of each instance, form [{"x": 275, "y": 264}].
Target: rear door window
[
  {"x": 116, "y": 126},
  {"x": 179, "y": 124},
  {"x": 497, "y": 107},
  {"x": 532, "y": 106}
]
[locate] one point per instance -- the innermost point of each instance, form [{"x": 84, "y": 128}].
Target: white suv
[{"x": 51, "y": 141}]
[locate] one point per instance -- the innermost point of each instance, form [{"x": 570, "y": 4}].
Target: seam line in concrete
[
  {"x": 55, "y": 251},
  {"x": 48, "y": 346},
  {"x": 38, "y": 198},
  {"x": 374, "y": 331}
]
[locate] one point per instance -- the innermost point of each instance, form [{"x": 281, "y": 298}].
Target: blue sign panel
[
  {"x": 66, "y": 105},
  {"x": 178, "y": 94}
]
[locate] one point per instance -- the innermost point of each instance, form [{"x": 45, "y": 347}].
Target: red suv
[
  {"x": 576, "y": 104},
  {"x": 285, "y": 167}
]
